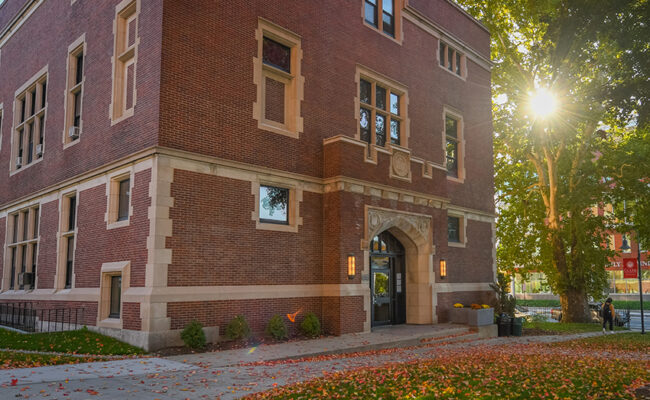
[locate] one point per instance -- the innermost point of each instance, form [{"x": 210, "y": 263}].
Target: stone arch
[{"x": 415, "y": 233}]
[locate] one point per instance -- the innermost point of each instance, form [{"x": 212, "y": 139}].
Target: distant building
[{"x": 166, "y": 161}]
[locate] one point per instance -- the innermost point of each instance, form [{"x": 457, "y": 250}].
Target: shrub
[
  {"x": 276, "y": 328},
  {"x": 238, "y": 328},
  {"x": 193, "y": 335},
  {"x": 310, "y": 326}
]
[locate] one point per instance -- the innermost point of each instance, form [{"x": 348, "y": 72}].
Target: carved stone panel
[
  {"x": 417, "y": 227},
  {"x": 400, "y": 164}
]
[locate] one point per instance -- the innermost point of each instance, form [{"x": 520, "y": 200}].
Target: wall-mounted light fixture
[
  {"x": 443, "y": 268},
  {"x": 352, "y": 267}
]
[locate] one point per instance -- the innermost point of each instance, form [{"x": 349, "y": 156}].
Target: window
[
  {"x": 119, "y": 200},
  {"x": 277, "y": 205},
  {"x": 451, "y": 60},
  {"x": 381, "y": 15},
  {"x": 278, "y": 80},
  {"x": 124, "y": 60},
  {"x": 454, "y": 146},
  {"x": 75, "y": 91},
  {"x": 23, "y": 249},
  {"x": 453, "y": 229},
  {"x": 382, "y": 112},
  {"x": 68, "y": 230},
  {"x": 29, "y": 124},
  {"x": 123, "y": 206},
  {"x": 116, "y": 297},
  {"x": 456, "y": 229},
  {"x": 274, "y": 202}
]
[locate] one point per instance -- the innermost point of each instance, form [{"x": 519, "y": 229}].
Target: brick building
[{"x": 167, "y": 161}]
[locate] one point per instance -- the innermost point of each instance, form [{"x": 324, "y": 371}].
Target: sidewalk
[{"x": 379, "y": 338}]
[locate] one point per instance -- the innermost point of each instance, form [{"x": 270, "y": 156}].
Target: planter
[
  {"x": 458, "y": 315},
  {"x": 467, "y": 316},
  {"x": 481, "y": 317}
]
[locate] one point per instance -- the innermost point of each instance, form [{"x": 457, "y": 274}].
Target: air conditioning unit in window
[
  {"x": 73, "y": 132},
  {"x": 26, "y": 278},
  {"x": 19, "y": 162},
  {"x": 39, "y": 150}
]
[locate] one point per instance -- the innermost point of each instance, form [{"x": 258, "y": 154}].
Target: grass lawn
[
  {"x": 80, "y": 341},
  {"x": 11, "y": 360},
  {"x": 618, "y": 304},
  {"x": 628, "y": 341},
  {"x": 534, "y": 371}
]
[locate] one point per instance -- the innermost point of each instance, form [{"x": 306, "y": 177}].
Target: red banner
[{"x": 630, "y": 268}]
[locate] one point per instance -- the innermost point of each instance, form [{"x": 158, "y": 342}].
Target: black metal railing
[{"x": 26, "y": 317}]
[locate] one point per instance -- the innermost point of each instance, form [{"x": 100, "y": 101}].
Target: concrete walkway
[{"x": 236, "y": 373}]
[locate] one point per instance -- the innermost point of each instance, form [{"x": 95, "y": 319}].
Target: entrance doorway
[{"x": 387, "y": 280}]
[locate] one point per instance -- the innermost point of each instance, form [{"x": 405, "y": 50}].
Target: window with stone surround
[
  {"x": 67, "y": 235},
  {"x": 29, "y": 123},
  {"x": 277, "y": 205},
  {"x": 125, "y": 59},
  {"x": 456, "y": 226},
  {"x": 119, "y": 191},
  {"x": 22, "y": 249},
  {"x": 382, "y": 110},
  {"x": 115, "y": 278},
  {"x": 383, "y": 15},
  {"x": 454, "y": 146},
  {"x": 452, "y": 60},
  {"x": 279, "y": 81},
  {"x": 74, "y": 93}
]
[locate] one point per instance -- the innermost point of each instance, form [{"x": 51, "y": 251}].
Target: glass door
[{"x": 381, "y": 290}]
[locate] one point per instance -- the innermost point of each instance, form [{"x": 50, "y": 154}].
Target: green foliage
[
  {"x": 276, "y": 328},
  {"x": 82, "y": 341},
  {"x": 564, "y": 328},
  {"x": 193, "y": 335},
  {"x": 549, "y": 173},
  {"x": 238, "y": 328},
  {"x": 310, "y": 325},
  {"x": 538, "y": 303},
  {"x": 505, "y": 301}
]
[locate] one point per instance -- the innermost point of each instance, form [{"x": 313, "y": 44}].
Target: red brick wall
[
  {"x": 64, "y": 312},
  {"x": 215, "y": 241},
  {"x": 96, "y": 245},
  {"x": 8, "y": 10},
  {"x": 44, "y": 40},
  {"x": 257, "y": 312},
  {"x": 474, "y": 262},
  {"x": 131, "y": 316}
]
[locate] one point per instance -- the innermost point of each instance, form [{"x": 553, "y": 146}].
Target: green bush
[
  {"x": 193, "y": 335},
  {"x": 238, "y": 328},
  {"x": 276, "y": 328},
  {"x": 310, "y": 326}
]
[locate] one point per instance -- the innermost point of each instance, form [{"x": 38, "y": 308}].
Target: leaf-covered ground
[
  {"x": 80, "y": 341},
  {"x": 12, "y": 359},
  {"x": 607, "y": 367}
]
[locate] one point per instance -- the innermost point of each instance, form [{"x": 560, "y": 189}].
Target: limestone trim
[
  {"x": 113, "y": 197},
  {"x": 293, "y": 206},
  {"x": 1, "y": 119},
  {"x": 72, "y": 89},
  {"x": 462, "y": 227},
  {"x": 22, "y": 237},
  {"x": 64, "y": 234},
  {"x": 108, "y": 270},
  {"x": 398, "y": 6},
  {"x": 293, "y": 81},
  {"x": 427, "y": 25},
  {"x": 244, "y": 292},
  {"x": 456, "y": 115},
  {"x": 400, "y": 164},
  {"x": 458, "y": 60},
  {"x": 74, "y": 294},
  {"x": 21, "y": 17}
]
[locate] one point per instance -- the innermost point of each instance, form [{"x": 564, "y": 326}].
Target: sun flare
[{"x": 543, "y": 103}]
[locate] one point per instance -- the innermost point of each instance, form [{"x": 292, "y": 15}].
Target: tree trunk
[{"x": 574, "y": 306}]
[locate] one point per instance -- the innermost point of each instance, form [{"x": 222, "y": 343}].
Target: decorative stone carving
[
  {"x": 415, "y": 226},
  {"x": 400, "y": 164}
]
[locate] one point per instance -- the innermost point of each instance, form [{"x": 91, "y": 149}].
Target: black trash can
[
  {"x": 503, "y": 322},
  {"x": 517, "y": 326}
]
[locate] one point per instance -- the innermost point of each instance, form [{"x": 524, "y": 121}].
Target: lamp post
[{"x": 625, "y": 246}]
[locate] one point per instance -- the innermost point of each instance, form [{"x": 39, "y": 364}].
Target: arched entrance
[{"x": 387, "y": 280}]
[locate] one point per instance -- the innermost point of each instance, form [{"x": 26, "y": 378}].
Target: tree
[{"x": 551, "y": 172}]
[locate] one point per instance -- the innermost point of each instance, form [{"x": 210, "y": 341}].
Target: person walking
[{"x": 608, "y": 314}]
